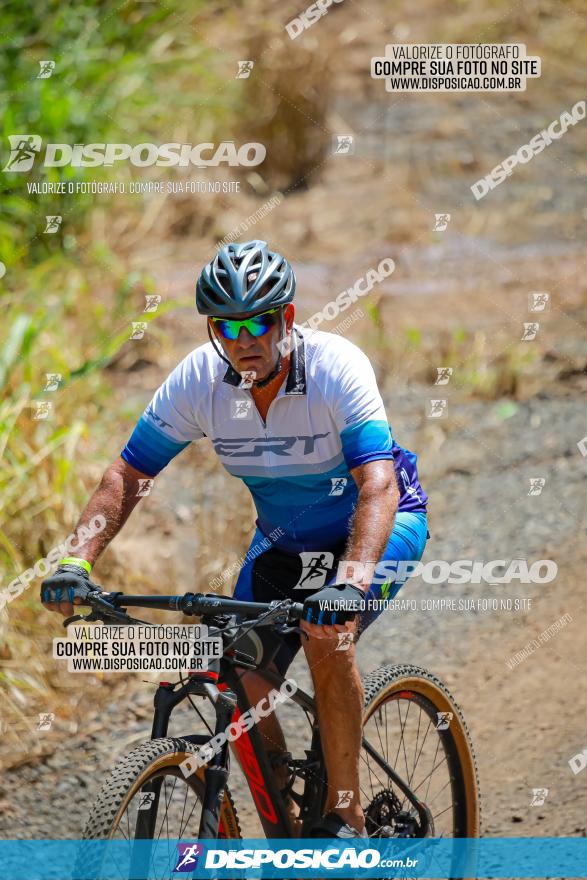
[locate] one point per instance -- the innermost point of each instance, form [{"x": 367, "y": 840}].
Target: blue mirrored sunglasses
[{"x": 258, "y": 325}]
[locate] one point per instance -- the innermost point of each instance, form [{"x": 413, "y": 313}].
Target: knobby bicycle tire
[{"x": 132, "y": 772}]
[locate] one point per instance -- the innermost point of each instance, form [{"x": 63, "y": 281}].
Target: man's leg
[
  {"x": 339, "y": 698},
  {"x": 337, "y": 683}
]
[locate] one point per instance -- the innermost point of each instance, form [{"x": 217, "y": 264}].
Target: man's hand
[
  {"x": 65, "y": 588},
  {"x": 346, "y": 602}
]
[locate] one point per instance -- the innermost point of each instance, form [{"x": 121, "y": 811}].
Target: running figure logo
[
  {"x": 247, "y": 379},
  {"x": 47, "y": 68},
  {"x": 187, "y": 856},
  {"x": 46, "y": 719},
  {"x": 441, "y": 222},
  {"x": 537, "y": 484},
  {"x": 138, "y": 329},
  {"x": 241, "y": 409},
  {"x": 537, "y": 302},
  {"x": 23, "y": 149},
  {"x": 338, "y": 485},
  {"x": 53, "y": 222},
  {"x": 152, "y": 302},
  {"x": 444, "y": 719},
  {"x": 41, "y": 409},
  {"x": 345, "y": 641},
  {"x": 344, "y": 799},
  {"x": 443, "y": 375},
  {"x": 146, "y": 799},
  {"x": 530, "y": 331},
  {"x": 53, "y": 382},
  {"x": 316, "y": 567},
  {"x": 438, "y": 409},
  {"x": 344, "y": 144},
  {"x": 244, "y": 69}
]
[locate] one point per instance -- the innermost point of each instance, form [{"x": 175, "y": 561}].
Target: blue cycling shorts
[{"x": 270, "y": 573}]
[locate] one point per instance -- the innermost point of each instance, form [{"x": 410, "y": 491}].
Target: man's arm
[
  {"x": 373, "y": 517},
  {"x": 370, "y": 530},
  {"x": 114, "y": 499}
]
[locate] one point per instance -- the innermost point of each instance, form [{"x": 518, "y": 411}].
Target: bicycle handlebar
[{"x": 189, "y": 603}]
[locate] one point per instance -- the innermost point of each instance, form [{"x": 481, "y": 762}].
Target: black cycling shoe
[{"x": 331, "y": 825}]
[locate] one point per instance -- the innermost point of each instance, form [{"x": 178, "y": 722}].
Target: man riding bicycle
[{"x": 310, "y": 439}]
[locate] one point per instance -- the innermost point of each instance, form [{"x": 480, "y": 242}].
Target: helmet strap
[{"x": 217, "y": 347}]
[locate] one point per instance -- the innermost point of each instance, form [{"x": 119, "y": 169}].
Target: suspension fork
[{"x": 216, "y": 774}]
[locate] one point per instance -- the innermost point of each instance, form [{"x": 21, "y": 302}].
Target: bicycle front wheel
[{"x": 147, "y": 797}]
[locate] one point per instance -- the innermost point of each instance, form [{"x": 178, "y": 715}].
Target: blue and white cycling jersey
[{"x": 327, "y": 418}]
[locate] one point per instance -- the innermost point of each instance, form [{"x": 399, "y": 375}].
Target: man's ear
[{"x": 289, "y": 316}]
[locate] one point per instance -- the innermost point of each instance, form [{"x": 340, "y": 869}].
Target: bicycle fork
[
  {"x": 217, "y": 770},
  {"x": 216, "y": 773}
]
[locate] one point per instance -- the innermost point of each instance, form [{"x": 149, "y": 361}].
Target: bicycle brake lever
[
  {"x": 104, "y": 611},
  {"x": 86, "y": 617},
  {"x": 285, "y": 630}
]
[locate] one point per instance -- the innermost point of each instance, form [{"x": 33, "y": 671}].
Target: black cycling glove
[
  {"x": 69, "y": 581},
  {"x": 336, "y": 604}
]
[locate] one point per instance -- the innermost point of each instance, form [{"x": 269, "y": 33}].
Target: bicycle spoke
[
  {"x": 433, "y": 761},
  {"x": 190, "y": 816},
  {"x": 185, "y": 800},
  {"x": 431, "y": 801},
  {"x": 367, "y": 762},
  {"x": 417, "y": 741},
  {"x": 403, "y": 742},
  {"x": 400, "y": 724},
  {"x": 420, "y": 784},
  {"x": 442, "y": 811},
  {"x": 423, "y": 742},
  {"x": 379, "y": 734},
  {"x": 386, "y": 756}
]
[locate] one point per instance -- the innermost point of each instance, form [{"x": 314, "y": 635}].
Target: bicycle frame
[{"x": 232, "y": 701}]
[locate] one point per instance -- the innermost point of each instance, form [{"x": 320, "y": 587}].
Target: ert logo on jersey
[{"x": 258, "y": 445}]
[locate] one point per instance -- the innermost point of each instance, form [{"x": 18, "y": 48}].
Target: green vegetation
[{"x": 67, "y": 300}]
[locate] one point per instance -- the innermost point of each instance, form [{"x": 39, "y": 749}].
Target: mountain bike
[{"x": 418, "y": 772}]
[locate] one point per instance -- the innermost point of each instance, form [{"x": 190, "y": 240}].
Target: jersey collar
[{"x": 296, "y": 377}]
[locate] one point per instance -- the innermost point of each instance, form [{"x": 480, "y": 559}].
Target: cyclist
[{"x": 329, "y": 483}]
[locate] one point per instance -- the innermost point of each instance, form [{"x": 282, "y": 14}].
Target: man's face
[{"x": 259, "y": 353}]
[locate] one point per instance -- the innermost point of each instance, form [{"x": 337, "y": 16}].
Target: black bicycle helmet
[{"x": 244, "y": 279}]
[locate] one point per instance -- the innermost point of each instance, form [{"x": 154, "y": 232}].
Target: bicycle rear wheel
[
  {"x": 148, "y": 797},
  {"x": 414, "y": 723}
]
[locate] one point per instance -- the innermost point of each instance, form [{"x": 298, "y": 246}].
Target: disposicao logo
[
  {"x": 187, "y": 857},
  {"x": 25, "y": 147}
]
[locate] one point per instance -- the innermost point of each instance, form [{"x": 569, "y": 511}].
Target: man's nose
[{"x": 245, "y": 339}]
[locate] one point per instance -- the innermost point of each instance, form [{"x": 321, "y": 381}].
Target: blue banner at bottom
[{"x": 563, "y": 858}]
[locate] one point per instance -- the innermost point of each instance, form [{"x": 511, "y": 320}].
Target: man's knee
[{"x": 325, "y": 658}]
